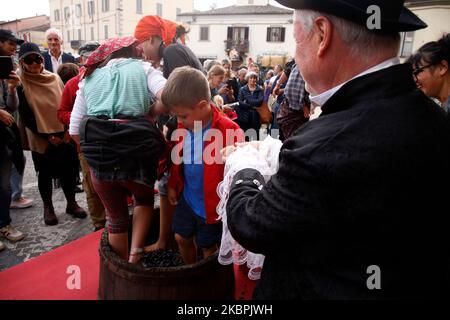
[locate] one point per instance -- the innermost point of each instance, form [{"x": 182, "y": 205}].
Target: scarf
[
  {"x": 156, "y": 26},
  {"x": 43, "y": 92}
]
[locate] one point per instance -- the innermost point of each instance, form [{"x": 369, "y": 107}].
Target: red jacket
[
  {"x": 212, "y": 172},
  {"x": 68, "y": 100}
]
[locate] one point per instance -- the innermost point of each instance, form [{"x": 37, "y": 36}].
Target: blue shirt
[{"x": 193, "y": 171}]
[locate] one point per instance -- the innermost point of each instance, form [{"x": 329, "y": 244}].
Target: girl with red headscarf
[{"x": 163, "y": 39}]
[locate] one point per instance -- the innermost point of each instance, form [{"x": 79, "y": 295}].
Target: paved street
[{"x": 39, "y": 237}]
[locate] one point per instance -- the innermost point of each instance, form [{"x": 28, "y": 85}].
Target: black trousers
[{"x": 58, "y": 162}]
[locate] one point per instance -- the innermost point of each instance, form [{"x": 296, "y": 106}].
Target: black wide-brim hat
[{"x": 394, "y": 16}]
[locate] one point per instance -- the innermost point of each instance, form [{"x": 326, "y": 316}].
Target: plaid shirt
[{"x": 295, "y": 89}]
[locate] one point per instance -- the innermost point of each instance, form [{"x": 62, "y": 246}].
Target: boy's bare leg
[
  {"x": 119, "y": 244},
  {"x": 165, "y": 223},
  {"x": 187, "y": 248},
  {"x": 142, "y": 217}
]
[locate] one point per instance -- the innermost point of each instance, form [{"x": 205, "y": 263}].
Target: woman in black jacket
[{"x": 250, "y": 97}]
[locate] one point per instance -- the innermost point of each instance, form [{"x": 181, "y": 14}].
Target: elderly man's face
[{"x": 54, "y": 42}]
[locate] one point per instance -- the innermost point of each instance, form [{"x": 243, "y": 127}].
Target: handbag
[{"x": 265, "y": 115}]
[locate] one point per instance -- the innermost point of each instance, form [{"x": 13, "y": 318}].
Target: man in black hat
[
  {"x": 8, "y": 138},
  {"x": 8, "y": 47},
  {"x": 354, "y": 211}
]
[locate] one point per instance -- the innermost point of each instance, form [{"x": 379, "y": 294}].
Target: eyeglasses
[
  {"x": 418, "y": 71},
  {"x": 33, "y": 58}
]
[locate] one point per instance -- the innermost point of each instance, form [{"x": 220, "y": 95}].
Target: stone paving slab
[{"x": 41, "y": 238}]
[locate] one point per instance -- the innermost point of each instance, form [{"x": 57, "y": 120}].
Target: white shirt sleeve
[
  {"x": 79, "y": 110},
  {"x": 155, "y": 78}
]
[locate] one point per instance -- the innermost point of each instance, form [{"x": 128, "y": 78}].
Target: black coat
[
  {"x": 248, "y": 117},
  {"x": 66, "y": 58},
  {"x": 10, "y": 137},
  {"x": 359, "y": 186}
]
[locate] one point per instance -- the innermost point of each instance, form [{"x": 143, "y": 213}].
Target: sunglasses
[
  {"x": 33, "y": 58},
  {"x": 418, "y": 71}
]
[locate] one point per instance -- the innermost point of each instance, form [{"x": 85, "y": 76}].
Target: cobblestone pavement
[{"x": 41, "y": 238}]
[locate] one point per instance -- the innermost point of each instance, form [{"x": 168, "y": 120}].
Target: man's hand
[
  {"x": 13, "y": 82},
  {"x": 276, "y": 90},
  {"x": 172, "y": 196},
  {"x": 6, "y": 117},
  {"x": 224, "y": 90}
]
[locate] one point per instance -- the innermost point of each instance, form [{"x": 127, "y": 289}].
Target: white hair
[
  {"x": 242, "y": 71},
  {"x": 55, "y": 31},
  {"x": 361, "y": 41},
  {"x": 251, "y": 74}
]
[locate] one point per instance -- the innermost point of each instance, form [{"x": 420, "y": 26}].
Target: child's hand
[{"x": 172, "y": 196}]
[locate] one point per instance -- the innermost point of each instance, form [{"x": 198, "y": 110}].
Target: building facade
[
  {"x": 30, "y": 29},
  {"x": 250, "y": 28},
  {"x": 82, "y": 21},
  {"x": 436, "y": 14}
]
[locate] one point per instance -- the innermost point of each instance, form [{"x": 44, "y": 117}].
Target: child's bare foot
[
  {"x": 135, "y": 255},
  {"x": 157, "y": 245}
]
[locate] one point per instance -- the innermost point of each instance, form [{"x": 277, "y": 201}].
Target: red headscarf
[
  {"x": 150, "y": 26},
  {"x": 104, "y": 51},
  {"x": 107, "y": 48}
]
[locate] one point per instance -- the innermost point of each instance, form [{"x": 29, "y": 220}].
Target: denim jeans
[
  {"x": 5, "y": 188},
  {"x": 16, "y": 183}
]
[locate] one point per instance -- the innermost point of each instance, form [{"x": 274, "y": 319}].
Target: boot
[
  {"x": 75, "y": 210},
  {"x": 50, "y": 218}
]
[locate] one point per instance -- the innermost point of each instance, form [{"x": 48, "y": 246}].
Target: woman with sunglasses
[
  {"x": 431, "y": 70},
  {"x": 54, "y": 154}
]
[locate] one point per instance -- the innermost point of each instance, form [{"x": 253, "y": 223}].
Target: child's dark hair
[
  {"x": 433, "y": 52},
  {"x": 67, "y": 71},
  {"x": 180, "y": 32}
]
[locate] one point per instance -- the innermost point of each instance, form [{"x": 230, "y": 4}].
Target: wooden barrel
[{"x": 206, "y": 279}]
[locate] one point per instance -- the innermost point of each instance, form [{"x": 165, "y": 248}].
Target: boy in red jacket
[{"x": 197, "y": 165}]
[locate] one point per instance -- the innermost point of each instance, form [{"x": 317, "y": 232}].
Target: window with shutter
[{"x": 204, "y": 33}]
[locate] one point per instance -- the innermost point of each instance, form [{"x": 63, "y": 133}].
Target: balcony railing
[{"x": 238, "y": 45}]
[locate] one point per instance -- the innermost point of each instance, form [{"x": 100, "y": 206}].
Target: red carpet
[{"x": 46, "y": 277}]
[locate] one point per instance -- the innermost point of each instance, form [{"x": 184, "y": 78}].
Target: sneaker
[
  {"x": 2, "y": 246},
  {"x": 21, "y": 203},
  {"x": 11, "y": 233}
]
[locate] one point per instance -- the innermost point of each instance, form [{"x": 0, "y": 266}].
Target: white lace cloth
[{"x": 265, "y": 160}]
